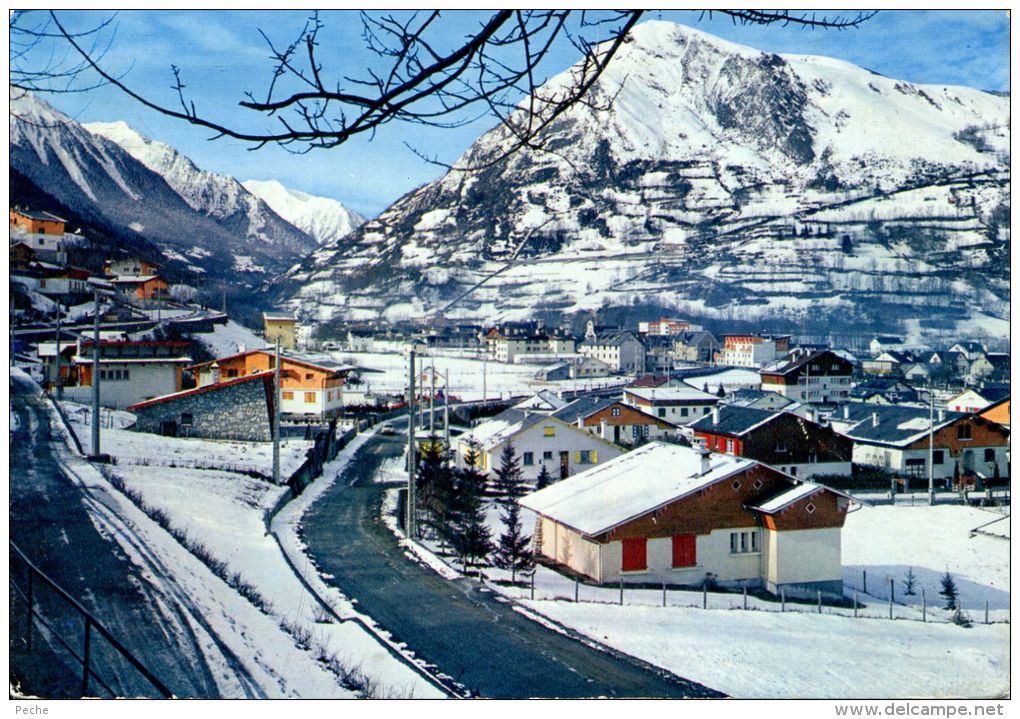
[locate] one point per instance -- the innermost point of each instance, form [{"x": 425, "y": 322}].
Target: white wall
[
  {"x": 567, "y": 438},
  {"x": 712, "y": 554},
  {"x": 804, "y": 471},
  {"x": 146, "y": 381},
  {"x": 805, "y": 555}
]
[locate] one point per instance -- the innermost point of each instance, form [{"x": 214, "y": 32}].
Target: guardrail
[{"x": 34, "y": 577}]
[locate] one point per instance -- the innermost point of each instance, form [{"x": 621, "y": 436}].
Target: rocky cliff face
[{"x": 722, "y": 182}]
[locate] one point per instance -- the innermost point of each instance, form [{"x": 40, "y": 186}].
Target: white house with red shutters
[{"x": 684, "y": 516}]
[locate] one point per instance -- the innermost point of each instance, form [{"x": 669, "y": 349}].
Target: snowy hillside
[
  {"x": 723, "y": 183},
  {"x": 218, "y": 196},
  {"x": 320, "y": 217}
]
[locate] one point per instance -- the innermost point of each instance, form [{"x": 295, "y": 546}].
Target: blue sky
[{"x": 221, "y": 55}]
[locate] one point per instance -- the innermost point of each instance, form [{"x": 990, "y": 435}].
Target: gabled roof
[
  {"x": 583, "y": 407},
  {"x": 649, "y": 380},
  {"x": 667, "y": 395},
  {"x": 749, "y": 395},
  {"x": 897, "y": 425},
  {"x": 734, "y": 420},
  {"x": 787, "y": 497},
  {"x": 267, "y": 375},
  {"x": 795, "y": 360},
  {"x": 542, "y": 400},
  {"x": 612, "y": 339},
  {"x": 316, "y": 361},
  {"x": 39, "y": 215},
  {"x": 630, "y": 486}
]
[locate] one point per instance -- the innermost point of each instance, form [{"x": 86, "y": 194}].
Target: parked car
[{"x": 387, "y": 428}]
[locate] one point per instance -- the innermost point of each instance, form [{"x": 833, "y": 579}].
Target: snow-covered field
[
  {"x": 470, "y": 379},
  {"x": 151, "y": 450},
  {"x": 291, "y": 637},
  {"x": 831, "y": 655}
]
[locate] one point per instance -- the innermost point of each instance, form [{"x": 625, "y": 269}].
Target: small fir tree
[
  {"x": 434, "y": 485},
  {"x": 467, "y": 532},
  {"x": 509, "y": 477},
  {"x": 910, "y": 583},
  {"x": 949, "y": 591},
  {"x": 513, "y": 552},
  {"x": 544, "y": 478}
]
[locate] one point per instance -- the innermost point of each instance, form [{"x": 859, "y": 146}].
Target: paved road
[
  {"x": 471, "y": 635},
  {"x": 51, "y": 524}
]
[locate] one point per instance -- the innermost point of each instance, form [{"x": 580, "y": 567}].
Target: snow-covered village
[{"x": 510, "y": 354}]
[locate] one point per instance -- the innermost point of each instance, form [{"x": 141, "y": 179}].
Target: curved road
[
  {"x": 473, "y": 636},
  {"x": 51, "y": 520}
]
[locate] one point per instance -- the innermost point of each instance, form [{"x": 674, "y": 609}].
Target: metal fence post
[
  {"x": 892, "y": 589},
  {"x": 865, "y": 571},
  {"x": 532, "y": 586},
  {"x": 577, "y": 587},
  {"x": 924, "y": 606},
  {"x": 86, "y": 657},
  {"x": 890, "y": 606},
  {"x": 663, "y": 594},
  {"x": 819, "y": 591},
  {"x": 782, "y": 600},
  {"x": 704, "y": 596},
  {"x": 855, "y": 605},
  {"x": 745, "y": 597},
  {"x": 621, "y": 592},
  {"x": 29, "y": 593},
  {"x": 986, "y": 611}
]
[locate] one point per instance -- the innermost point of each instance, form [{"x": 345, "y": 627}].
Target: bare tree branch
[{"x": 422, "y": 79}]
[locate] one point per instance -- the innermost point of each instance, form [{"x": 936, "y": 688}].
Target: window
[
  {"x": 963, "y": 431},
  {"x": 529, "y": 459},
  {"x": 662, "y": 411},
  {"x": 309, "y": 375},
  {"x": 989, "y": 455},
  {"x": 288, "y": 395},
  {"x": 585, "y": 456},
  {"x": 546, "y": 455},
  {"x": 793, "y": 471},
  {"x": 635, "y": 554},
  {"x": 615, "y": 412},
  {"x": 309, "y": 397},
  {"x": 549, "y": 431},
  {"x": 937, "y": 457},
  {"x": 810, "y": 509},
  {"x": 685, "y": 550},
  {"x": 127, "y": 374},
  {"x": 744, "y": 542},
  {"x": 683, "y": 411},
  {"x": 915, "y": 467},
  {"x": 729, "y": 446},
  {"x": 186, "y": 419}
]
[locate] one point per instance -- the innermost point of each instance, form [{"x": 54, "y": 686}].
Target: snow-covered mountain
[
  {"x": 219, "y": 197},
  {"x": 205, "y": 226},
  {"x": 721, "y": 182},
  {"x": 322, "y": 218}
]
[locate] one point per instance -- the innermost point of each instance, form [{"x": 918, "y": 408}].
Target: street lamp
[{"x": 100, "y": 288}]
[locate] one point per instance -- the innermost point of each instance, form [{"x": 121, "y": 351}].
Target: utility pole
[
  {"x": 432, "y": 403},
  {"x": 95, "y": 378},
  {"x": 276, "y": 415},
  {"x": 56, "y": 381},
  {"x": 446, "y": 408},
  {"x": 485, "y": 368},
  {"x": 409, "y": 523},
  {"x": 931, "y": 444}
]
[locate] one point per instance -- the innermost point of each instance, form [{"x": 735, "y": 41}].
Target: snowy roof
[
  {"x": 134, "y": 279},
  {"x": 734, "y": 420},
  {"x": 667, "y": 395},
  {"x": 583, "y": 407},
  {"x": 896, "y": 424},
  {"x": 502, "y": 427},
  {"x": 279, "y": 317},
  {"x": 542, "y": 400},
  {"x": 630, "y": 486},
  {"x": 788, "y": 497}
]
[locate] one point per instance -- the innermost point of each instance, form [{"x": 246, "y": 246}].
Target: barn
[{"x": 679, "y": 515}]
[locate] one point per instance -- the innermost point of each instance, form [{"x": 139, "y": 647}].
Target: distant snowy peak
[
  {"x": 221, "y": 197},
  {"x": 321, "y": 217}
]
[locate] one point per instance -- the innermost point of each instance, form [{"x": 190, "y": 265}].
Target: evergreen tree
[
  {"x": 949, "y": 591},
  {"x": 434, "y": 485},
  {"x": 467, "y": 531},
  {"x": 910, "y": 582},
  {"x": 544, "y": 478},
  {"x": 509, "y": 477},
  {"x": 513, "y": 551}
]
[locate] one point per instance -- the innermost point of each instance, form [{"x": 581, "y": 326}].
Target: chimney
[
  {"x": 215, "y": 372},
  {"x": 874, "y": 419},
  {"x": 706, "y": 460},
  {"x": 580, "y": 422},
  {"x": 846, "y": 411},
  {"x": 715, "y": 415}
]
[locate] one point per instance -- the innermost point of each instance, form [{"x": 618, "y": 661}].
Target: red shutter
[
  {"x": 685, "y": 553},
  {"x": 635, "y": 554}
]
